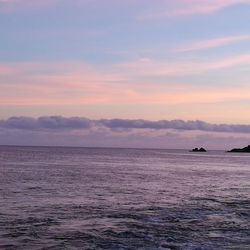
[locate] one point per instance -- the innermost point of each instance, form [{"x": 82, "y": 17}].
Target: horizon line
[{"x": 108, "y": 147}]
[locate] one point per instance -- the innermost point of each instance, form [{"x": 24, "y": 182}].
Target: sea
[{"x": 107, "y": 198}]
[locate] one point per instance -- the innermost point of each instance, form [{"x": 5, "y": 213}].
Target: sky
[{"x": 128, "y": 62}]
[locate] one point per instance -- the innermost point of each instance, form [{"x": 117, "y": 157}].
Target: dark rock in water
[
  {"x": 199, "y": 150},
  {"x": 240, "y": 150}
]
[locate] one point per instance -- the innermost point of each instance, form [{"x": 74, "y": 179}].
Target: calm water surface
[{"x": 83, "y": 198}]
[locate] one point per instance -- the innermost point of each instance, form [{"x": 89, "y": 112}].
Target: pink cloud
[
  {"x": 78, "y": 83},
  {"x": 64, "y": 83},
  {"x": 60, "y": 92},
  {"x": 149, "y": 67},
  {"x": 175, "y": 8},
  {"x": 4, "y": 70},
  {"x": 192, "y": 7},
  {"x": 78, "y": 86},
  {"x": 211, "y": 43},
  {"x": 80, "y": 73}
]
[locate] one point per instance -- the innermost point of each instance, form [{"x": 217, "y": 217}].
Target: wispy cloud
[
  {"x": 148, "y": 66},
  {"x": 164, "y": 8},
  {"x": 212, "y": 43},
  {"x": 5, "y": 70},
  {"x": 79, "y": 83},
  {"x": 192, "y": 7}
]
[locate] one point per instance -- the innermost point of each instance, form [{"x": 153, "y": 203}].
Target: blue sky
[{"x": 135, "y": 59}]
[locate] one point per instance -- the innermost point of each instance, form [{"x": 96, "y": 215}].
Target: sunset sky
[{"x": 128, "y": 59}]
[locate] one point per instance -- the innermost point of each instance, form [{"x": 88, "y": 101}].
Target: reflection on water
[{"x": 79, "y": 198}]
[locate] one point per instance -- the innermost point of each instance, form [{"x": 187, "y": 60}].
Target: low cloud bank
[
  {"x": 46, "y": 122},
  {"x": 76, "y": 123}
]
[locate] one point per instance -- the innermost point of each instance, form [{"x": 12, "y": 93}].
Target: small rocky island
[
  {"x": 240, "y": 150},
  {"x": 199, "y": 150}
]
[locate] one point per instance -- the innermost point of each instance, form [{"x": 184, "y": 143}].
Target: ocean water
[{"x": 90, "y": 198}]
